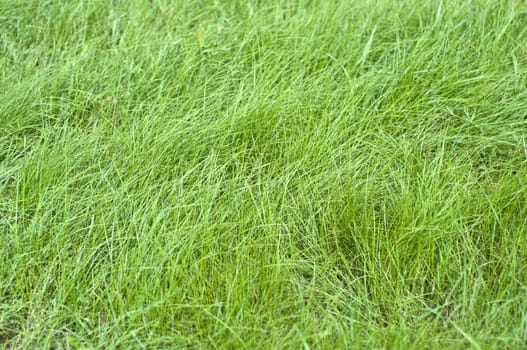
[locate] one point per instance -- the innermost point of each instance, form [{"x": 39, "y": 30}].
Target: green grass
[{"x": 263, "y": 174}]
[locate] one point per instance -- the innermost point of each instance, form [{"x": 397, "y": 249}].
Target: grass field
[{"x": 287, "y": 174}]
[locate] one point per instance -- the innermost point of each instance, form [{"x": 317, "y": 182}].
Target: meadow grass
[{"x": 263, "y": 174}]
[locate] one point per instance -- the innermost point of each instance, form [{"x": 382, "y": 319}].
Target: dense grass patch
[{"x": 263, "y": 174}]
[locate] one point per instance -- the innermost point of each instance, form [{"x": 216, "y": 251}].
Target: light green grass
[{"x": 263, "y": 174}]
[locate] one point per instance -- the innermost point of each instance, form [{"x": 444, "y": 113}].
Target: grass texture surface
[{"x": 252, "y": 174}]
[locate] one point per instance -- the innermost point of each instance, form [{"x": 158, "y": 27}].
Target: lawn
[{"x": 282, "y": 174}]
